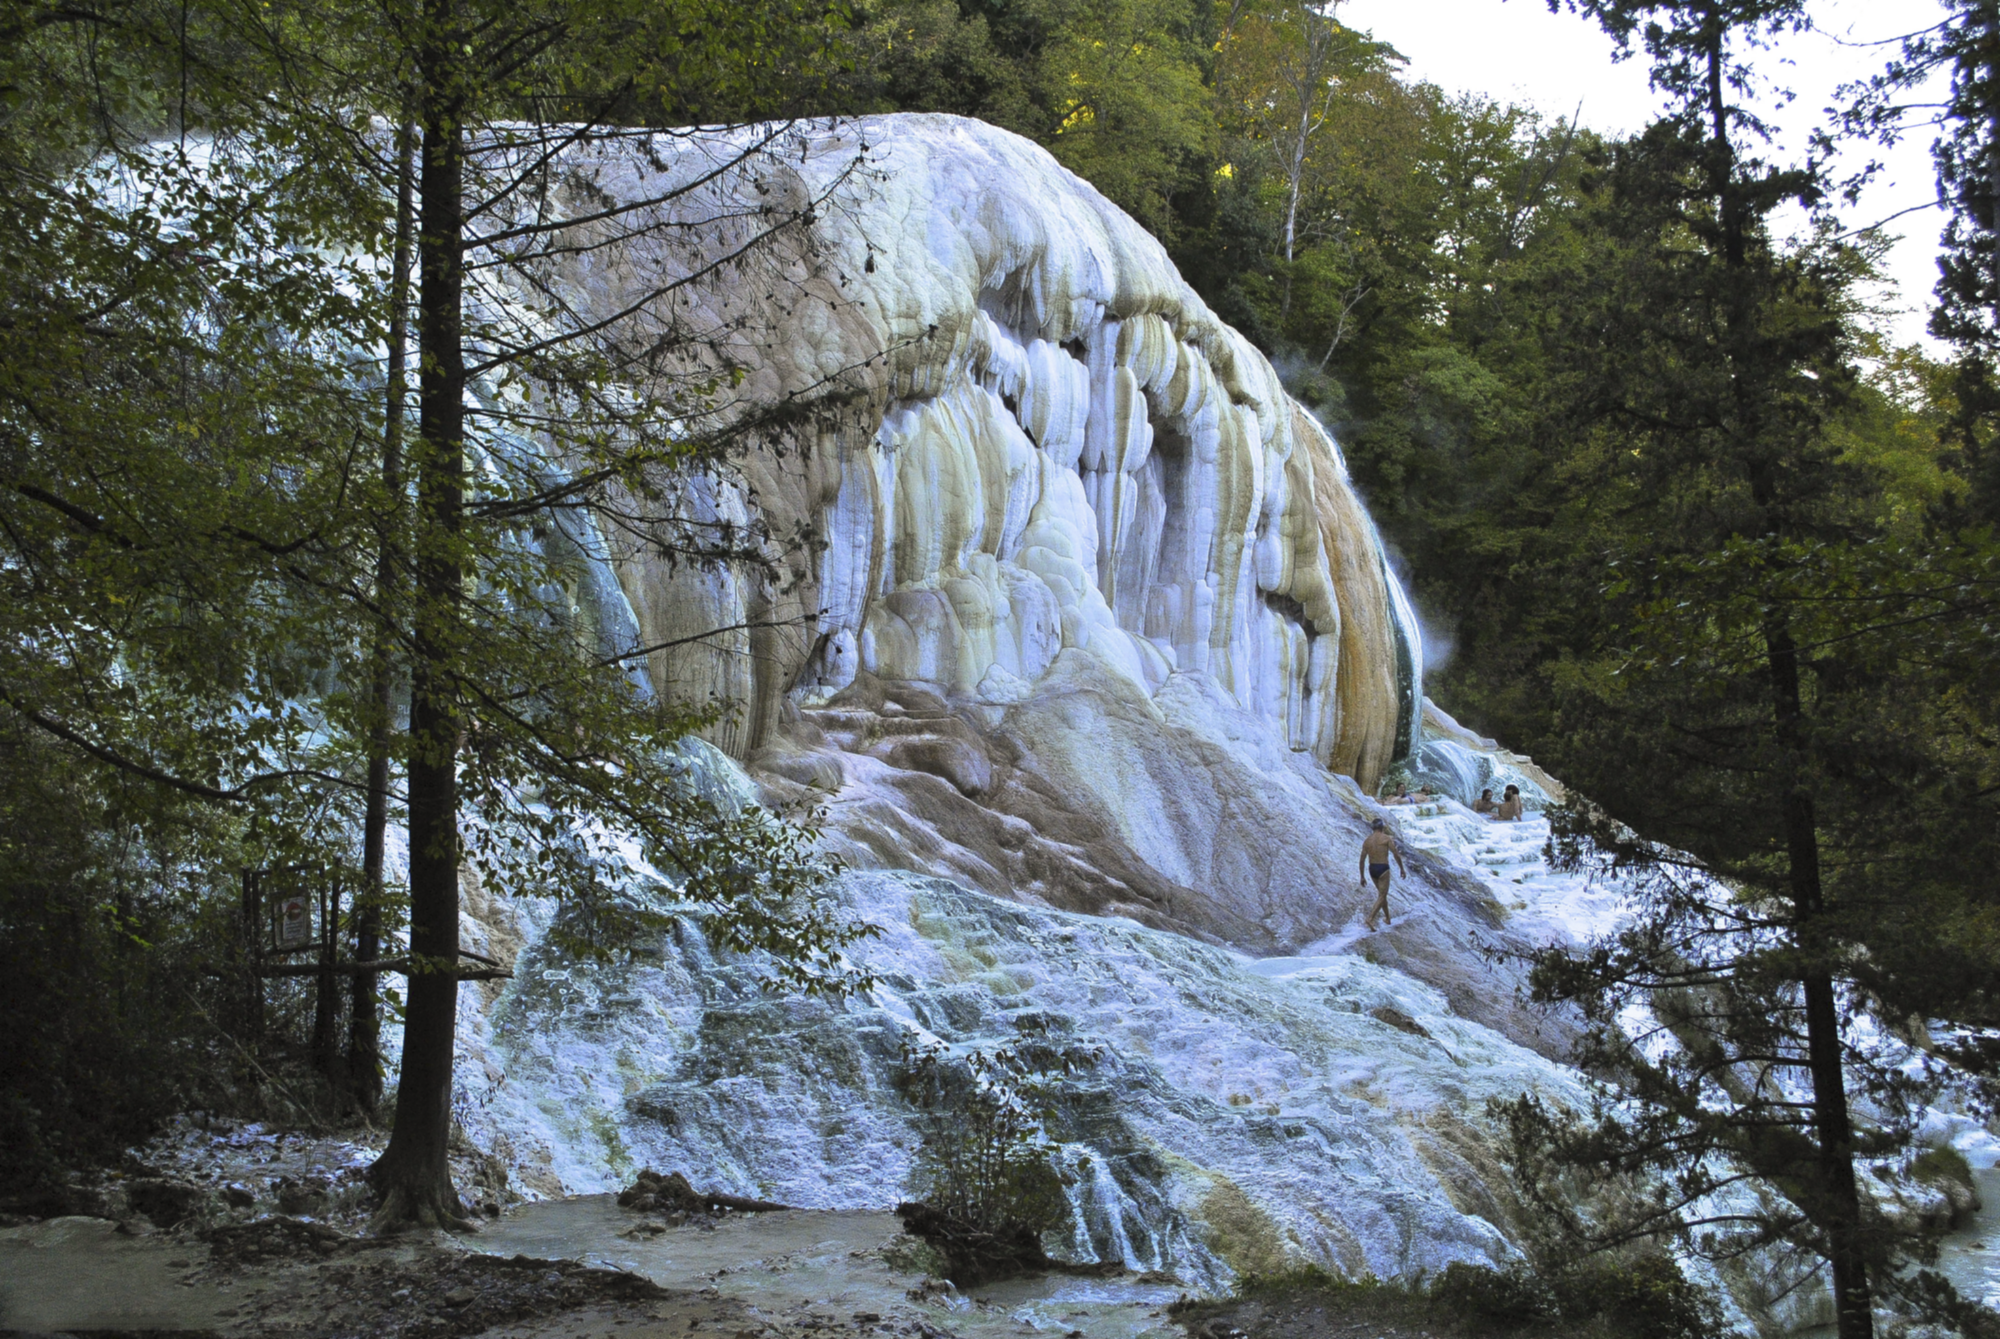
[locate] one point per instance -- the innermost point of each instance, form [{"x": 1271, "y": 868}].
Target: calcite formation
[{"x": 1052, "y": 445}]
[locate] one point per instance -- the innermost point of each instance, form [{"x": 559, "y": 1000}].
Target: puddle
[
  {"x": 803, "y": 1265},
  {"x": 81, "y": 1274}
]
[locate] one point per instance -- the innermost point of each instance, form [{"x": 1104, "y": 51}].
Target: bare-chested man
[{"x": 1376, "y": 852}]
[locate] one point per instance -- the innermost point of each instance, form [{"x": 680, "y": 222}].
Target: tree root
[{"x": 405, "y": 1208}]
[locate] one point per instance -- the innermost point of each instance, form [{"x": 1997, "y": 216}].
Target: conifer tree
[
  {"x": 1720, "y": 361},
  {"x": 1738, "y": 661}
]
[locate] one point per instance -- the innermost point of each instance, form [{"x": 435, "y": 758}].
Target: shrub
[
  {"x": 1635, "y": 1296},
  {"x": 1510, "y": 1297},
  {"x": 101, "y": 940},
  {"x": 1942, "y": 1164},
  {"x": 984, "y": 1158}
]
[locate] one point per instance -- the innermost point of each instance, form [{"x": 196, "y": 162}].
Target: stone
[
  {"x": 1399, "y": 1020},
  {"x": 301, "y": 1196},
  {"x": 1078, "y": 638},
  {"x": 167, "y": 1202}
]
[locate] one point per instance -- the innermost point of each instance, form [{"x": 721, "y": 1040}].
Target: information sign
[{"x": 294, "y": 917}]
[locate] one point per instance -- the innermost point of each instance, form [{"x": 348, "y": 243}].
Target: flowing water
[
  {"x": 1240, "y": 1115},
  {"x": 796, "y": 1266},
  {"x": 1236, "y": 1114},
  {"x": 1970, "y": 1256}
]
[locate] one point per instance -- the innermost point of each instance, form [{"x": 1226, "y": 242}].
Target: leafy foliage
[
  {"x": 224, "y": 587},
  {"x": 984, "y": 1158}
]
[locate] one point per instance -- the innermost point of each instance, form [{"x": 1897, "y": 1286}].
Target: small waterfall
[
  {"x": 1098, "y": 1208},
  {"x": 1409, "y": 660}
]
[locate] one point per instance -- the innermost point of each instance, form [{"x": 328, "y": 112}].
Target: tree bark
[
  {"x": 326, "y": 1000},
  {"x": 364, "y": 1036},
  {"x": 1838, "y": 1210},
  {"x": 252, "y": 922},
  {"x": 413, "y": 1175}
]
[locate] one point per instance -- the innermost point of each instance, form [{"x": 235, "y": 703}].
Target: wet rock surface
[
  {"x": 1243, "y": 1115},
  {"x": 673, "y": 1194}
]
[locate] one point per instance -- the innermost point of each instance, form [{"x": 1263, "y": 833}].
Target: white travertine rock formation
[
  {"x": 1064, "y": 598},
  {"x": 1055, "y": 445},
  {"x": 1075, "y": 612}
]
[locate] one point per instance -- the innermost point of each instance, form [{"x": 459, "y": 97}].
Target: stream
[
  {"x": 801, "y": 1264},
  {"x": 1970, "y": 1256}
]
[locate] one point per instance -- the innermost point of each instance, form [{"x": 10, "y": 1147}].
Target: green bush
[
  {"x": 1643, "y": 1296},
  {"x": 983, "y": 1158},
  {"x": 1510, "y": 1297},
  {"x": 101, "y": 943},
  {"x": 1942, "y": 1164}
]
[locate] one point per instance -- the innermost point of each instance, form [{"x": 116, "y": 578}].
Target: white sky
[{"x": 1517, "y": 51}]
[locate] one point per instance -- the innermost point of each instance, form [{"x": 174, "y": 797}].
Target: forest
[{"x": 289, "y": 586}]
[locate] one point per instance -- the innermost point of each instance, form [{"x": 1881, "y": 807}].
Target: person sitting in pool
[
  {"x": 1484, "y": 804},
  {"x": 1510, "y": 805}
]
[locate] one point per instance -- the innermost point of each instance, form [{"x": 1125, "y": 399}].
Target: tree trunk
[
  {"x": 364, "y": 1035},
  {"x": 326, "y": 998},
  {"x": 252, "y": 922},
  {"x": 413, "y": 1175},
  {"x": 1838, "y": 1202},
  {"x": 1834, "y": 1205},
  {"x": 1991, "y": 15}
]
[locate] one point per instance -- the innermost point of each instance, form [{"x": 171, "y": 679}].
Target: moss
[
  {"x": 1243, "y": 1234},
  {"x": 605, "y": 1127},
  {"x": 905, "y": 1254},
  {"x": 1638, "y": 1297},
  {"x": 1942, "y": 1164}
]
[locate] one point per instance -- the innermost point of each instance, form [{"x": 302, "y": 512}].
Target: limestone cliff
[
  {"x": 1071, "y": 601},
  {"x": 1058, "y": 446},
  {"x": 1063, "y": 603}
]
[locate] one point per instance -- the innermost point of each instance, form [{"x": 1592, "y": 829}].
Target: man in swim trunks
[{"x": 1375, "y": 855}]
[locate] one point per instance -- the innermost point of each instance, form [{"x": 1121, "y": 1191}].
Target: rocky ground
[
  {"x": 287, "y": 1277},
  {"x": 563, "y": 1269}
]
